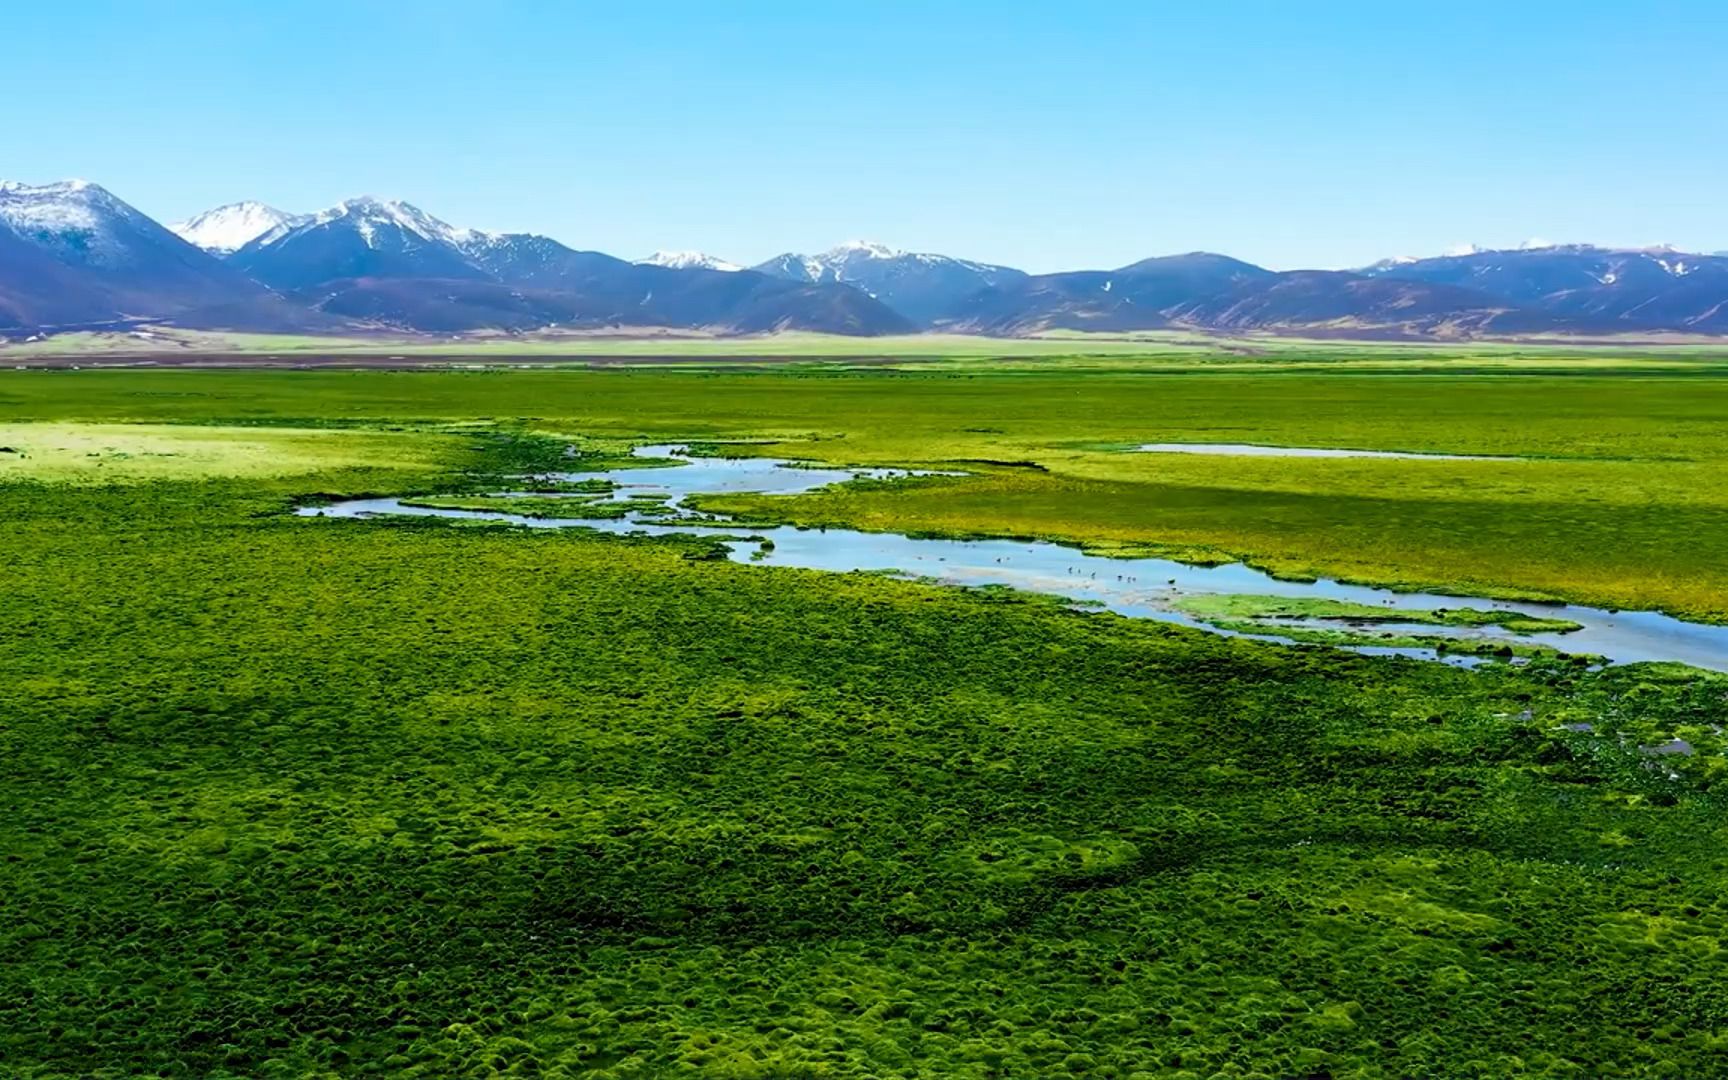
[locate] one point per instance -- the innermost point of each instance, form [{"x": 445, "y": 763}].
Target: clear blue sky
[{"x": 1050, "y": 135}]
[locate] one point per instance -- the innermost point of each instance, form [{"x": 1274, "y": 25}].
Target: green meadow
[
  {"x": 294, "y": 797},
  {"x": 1161, "y": 350},
  {"x": 1619, "y": 497}
]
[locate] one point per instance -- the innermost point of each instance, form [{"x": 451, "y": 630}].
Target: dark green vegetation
[{"x": 290, "y": 797}]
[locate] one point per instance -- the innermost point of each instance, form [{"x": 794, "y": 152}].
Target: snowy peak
[
  {"x": 57, "y": 188},
  {"x": 76, "y": 254},
  {"x": 229, "y": 228},
  {"x": 59, "y": 208},
  {"x": 688, "y": 260},
  {"x": 367, "y": 215},
  {"x": 795, "y": 267},
  {"x": 82, "y": 223},
  {"x": 920, "y": 286},
  {"x": 1392, "y": 263},
  {"x": 867, "y": 249},
  {"x": 359, "y": 238}
]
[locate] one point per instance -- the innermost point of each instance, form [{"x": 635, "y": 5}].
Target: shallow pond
[{"x": 1140, "y": 588}]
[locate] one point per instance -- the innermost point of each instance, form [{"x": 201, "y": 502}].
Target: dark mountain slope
[
  {"x": 1316, "y": 300},
  {"x": 1136, "y": 297},
  {"x": 76, "y": 254},
  {"x": 1622, "y": 289},
  {"x": 359, "y": 238}
]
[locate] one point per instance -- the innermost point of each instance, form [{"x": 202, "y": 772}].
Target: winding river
[{"x": 1139, "y": 588}]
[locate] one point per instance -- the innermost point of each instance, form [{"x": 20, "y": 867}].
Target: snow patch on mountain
[
  {"x": 866, "y": 259},
  {"x": 869, "y": 249},
  {"x": 688, "y": 260},
  {"x": 79, "y": 221},
  {"x": 366, "y": 214},
  {"x": 58, "y": 207},
  {"x": 227, "y": 229}
]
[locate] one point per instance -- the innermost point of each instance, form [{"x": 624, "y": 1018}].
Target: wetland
[
  {"x": 423, "y": 724},
  {"x": 1231, "y": 598}
]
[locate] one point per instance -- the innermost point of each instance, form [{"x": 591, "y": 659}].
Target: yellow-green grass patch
[{"x": 131, "y": 453}]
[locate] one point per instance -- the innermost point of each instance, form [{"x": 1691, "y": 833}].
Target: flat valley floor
[{"x": 291, "y": 796}]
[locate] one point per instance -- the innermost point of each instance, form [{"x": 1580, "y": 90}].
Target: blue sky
[{"x": 1050, "y": 136}]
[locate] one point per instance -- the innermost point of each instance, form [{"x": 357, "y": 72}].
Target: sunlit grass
[{"x": 131, "y": 453}]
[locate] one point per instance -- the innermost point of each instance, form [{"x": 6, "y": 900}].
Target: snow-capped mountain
[
  {"x": 386, "y": 262},
  {"x": 229, "y": 228},
  {"x": 922, "y": 287},
  {"x": 358, "y": 238},
  {"x": 81, "y": 255},
  {"x": 78, "y": 220},
  {"x": 374, "y": 218},
  {"x": 688, "y": 260},
  {"x": 857, "y": 260},
  {"x": 73, "y": 254}
]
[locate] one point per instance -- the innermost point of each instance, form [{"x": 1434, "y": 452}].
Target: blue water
[
  {"x": 1139, "y": 588},
  {"x": 1256, "y": 450}
]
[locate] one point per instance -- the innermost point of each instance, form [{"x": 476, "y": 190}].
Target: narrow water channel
[
  {"x": 1139, "y": 588},
  {"x": 1257, "y": 450}
]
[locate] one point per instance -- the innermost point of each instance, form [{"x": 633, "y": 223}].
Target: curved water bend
[{"x": 1140, "y": 588}]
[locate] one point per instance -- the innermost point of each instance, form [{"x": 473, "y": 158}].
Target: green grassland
[
  {"x": 125, "y": 453},
  {"x": 1623, "y": 500},
  {"x": 1154, "y": 350},
  {"x": 295, "y": 797}
]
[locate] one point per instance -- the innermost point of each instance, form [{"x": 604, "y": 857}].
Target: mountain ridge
[
  {"x": 77, "y": 254},
  {"x": 689, "y": 260},
  {"x": 74, "y": 254},
  {"x": 230, "y": 227},
  {"x": 921, "y": 286}
]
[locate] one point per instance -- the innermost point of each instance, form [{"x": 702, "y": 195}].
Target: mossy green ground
[{"x": 300, "y": 797}]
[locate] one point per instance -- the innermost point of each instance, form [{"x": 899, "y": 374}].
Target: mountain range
[
  {"x": 73, "y": 255},
  {"x": 924, "y": 288}
]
